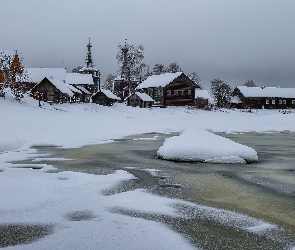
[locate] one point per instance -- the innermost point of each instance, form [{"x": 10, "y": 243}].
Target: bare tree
[
  {"x": 173, "y": 68},
  {"x": 130, "y": 63},
  {"x": 108, "y": 83},
  {"x": 159, "y": 69},
  {"x": 221, "y": 93},
  {"x": 196, "y": 79},
  {"x": 250, "y": 83}
]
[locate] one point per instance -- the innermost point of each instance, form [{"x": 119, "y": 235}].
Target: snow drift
[{"x": 203, "y": 146}]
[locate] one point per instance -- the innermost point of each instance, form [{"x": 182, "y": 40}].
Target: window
[
  {"x": 175, "y": 92},
  {"x": 273, "y": 101},
  {"x": 280, "y": 101},
  {"x": 293, "y": 102},
  {"x": 189, "y": 92},
  {"x": 284, "y": 102},
  {"x": 169, "y": 92},
  {"x": 266, "y": 101}
]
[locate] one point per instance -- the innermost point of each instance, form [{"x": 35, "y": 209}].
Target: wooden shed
[
  {"x": 141, "y": 100},
  {"x": 202, "y": 98},
  {"x": 105, "y": 97}
]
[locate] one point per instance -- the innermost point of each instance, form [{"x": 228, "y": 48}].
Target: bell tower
[{"x": 89, "y": 68}]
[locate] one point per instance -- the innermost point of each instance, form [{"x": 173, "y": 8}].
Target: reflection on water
[{"x": 263, "y": 190}]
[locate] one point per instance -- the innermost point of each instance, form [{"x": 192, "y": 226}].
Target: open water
[{"x": 239, "y": 193}]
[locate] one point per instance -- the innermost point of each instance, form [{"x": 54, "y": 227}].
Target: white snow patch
[{"x": 200, "y": 145}]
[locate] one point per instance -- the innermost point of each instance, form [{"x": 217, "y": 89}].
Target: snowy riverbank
[{"x": 73, "y": 203}]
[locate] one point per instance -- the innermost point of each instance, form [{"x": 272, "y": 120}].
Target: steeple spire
[{"x": 89, "y": 62}]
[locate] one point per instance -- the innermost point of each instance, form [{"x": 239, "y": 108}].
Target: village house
[
  {"x": 105, "y": 97},
  {"x": 202, "y": 98},
  {"x": 83, "y": 82},
  {"x": 169, "y": 89},
  {"x": 264, "y": 97},
  {"x": 141, "y": 100},
  {"x": 55, "y": 91}
]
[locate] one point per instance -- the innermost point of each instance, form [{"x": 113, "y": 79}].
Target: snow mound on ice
[{"x": 203, "y": 146}]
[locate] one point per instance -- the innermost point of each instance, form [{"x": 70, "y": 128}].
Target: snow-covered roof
[
  {"x": 110, "y": 94},
  {"x": 202, "y": 93},
  {"x": 77, "y": 78},
  {"x": 236, "y": 100},
  {"x": 64, "y": 87},
  {"x": 38, "y": 74},
  {"x": 83, "y": 90},
  {"x": 145, "y": 97},
  {"x": 159, "y": 80},
  {"x": 267, "y": 92}
]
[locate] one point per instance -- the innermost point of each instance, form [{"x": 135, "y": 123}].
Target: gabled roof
[
  {"x": 109, "y": 94},
  {"x": 159, "y": 80},
  {"x": 38, "y": 74},
  {"x": 83, "y": 90},
  {"x": 62, "y": 86},
  {"x": 202, "y": 93},
  {"x": 267, "y": 92},
  {"x": 77, "y": 78},
  {"x": 145, "y": 97}
]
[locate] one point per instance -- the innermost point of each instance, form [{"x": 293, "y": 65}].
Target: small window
[
  {"x": 284, "y": 102},
  {"x": 266, "y": 101},
  {"x": 169, "y": 92},
  {"x": 280, "y": 101},
  {"x": 293, "y": 102},
  {"x": 189, "y": 92},
  {"x": 175, "y": 92},
  {"x": 273, "y": 101}
]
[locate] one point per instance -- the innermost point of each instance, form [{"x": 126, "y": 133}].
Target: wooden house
[
  {"x": 105, "y": 97},
  {"x": 265, "y": 97},
  {"x": 202, "y": 98},
  {"x": 55, "y": 91},
  {"x": 169, "y": 89},
  {"x": 141, "y": 100},
  {"x": 83, "y": 82}
]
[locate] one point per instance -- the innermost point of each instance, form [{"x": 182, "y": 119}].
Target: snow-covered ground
[{"x": 41, "y": 196}]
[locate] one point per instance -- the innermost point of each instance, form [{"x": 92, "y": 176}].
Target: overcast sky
[{"x": 234, "y": 40}]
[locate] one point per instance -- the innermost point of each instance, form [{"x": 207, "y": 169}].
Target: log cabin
[
  {"x": 169, "y": 89},
  {"x": 141, "y": 100},
  {"x": 55, "y": 91},
  {"x": 265, "y": 97},
  {"x": 105, "y": 98}
]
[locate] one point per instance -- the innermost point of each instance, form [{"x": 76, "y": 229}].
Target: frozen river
[{"x": 237, "y": 194}]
